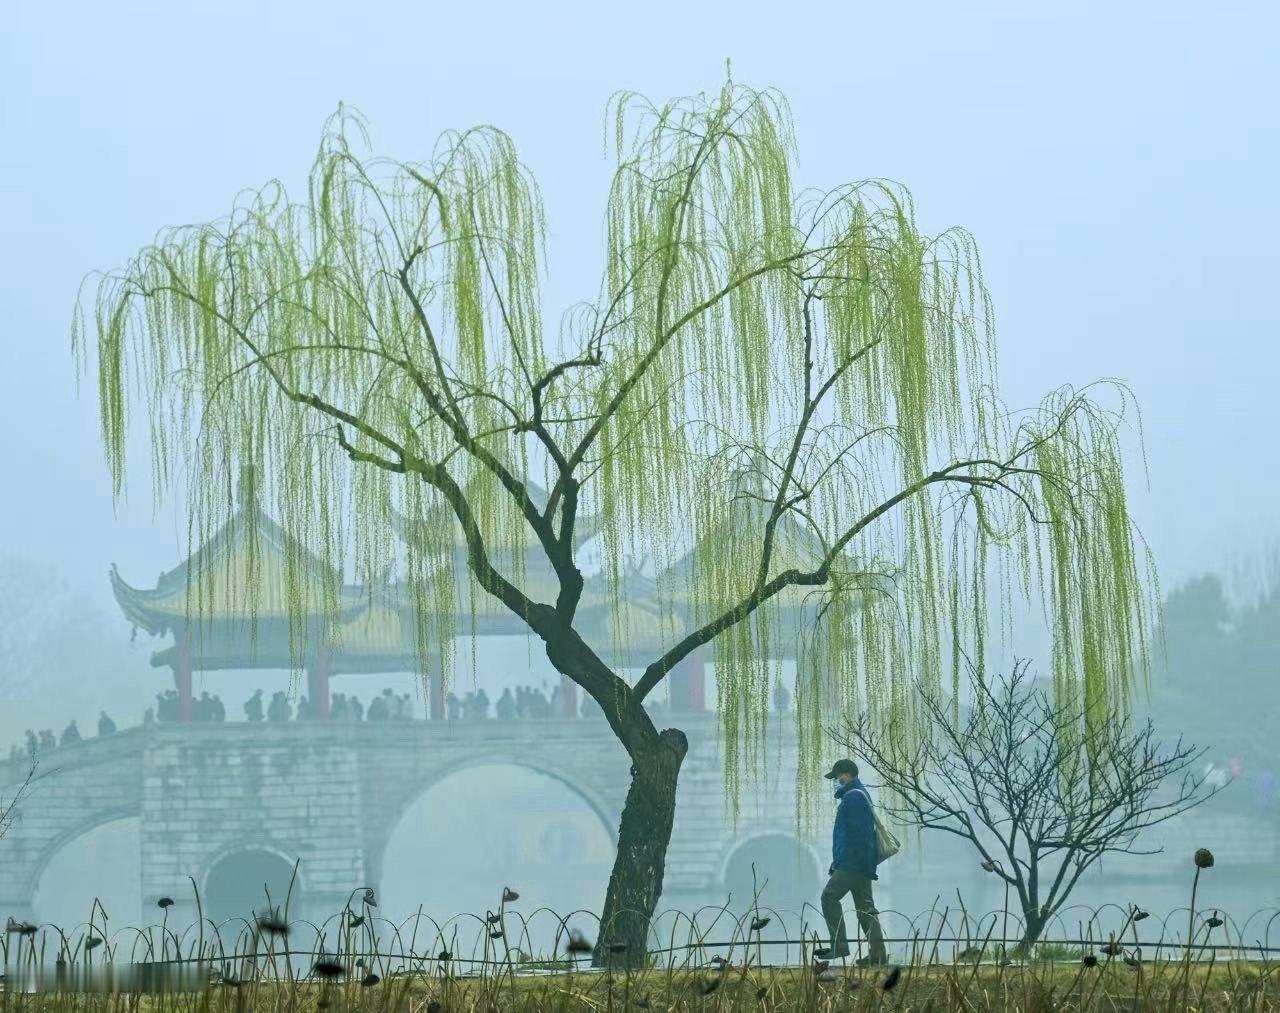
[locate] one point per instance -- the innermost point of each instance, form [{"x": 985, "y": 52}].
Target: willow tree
[{"x": 379, "y": 350}]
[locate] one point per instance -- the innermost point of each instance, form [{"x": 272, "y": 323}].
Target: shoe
[{"x": 827, "y": 953}]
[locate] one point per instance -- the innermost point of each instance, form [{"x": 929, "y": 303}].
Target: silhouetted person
[
  {"x": 253, "y": 706},
  {"x": 305, "y": 709},
  {"x": 167, "y": 706},
  {"x": 357, "y": 709},
  {"x": 482, "y": 704},
  {"x": 378, "y": 710},
  {"x": 70, "y": 734},
  {"x": 47, "y": 741},
  {"x": 338, "y": 709},
  {"x": 148, "y": 717},
  {"x": 217, "y": 711},
  {"x": 403, "y": 707},
  {"x": 278, "y": 709},
  {"x": 105, "y": 725},
  {"x": 505, "y": 708},
  {"x": 474, "y": 707},
  {"x": 452, "y": 706},
  {"x": 202, "y": 709}
]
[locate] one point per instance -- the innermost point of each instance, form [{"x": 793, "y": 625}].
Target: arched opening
[
  {"x": 239, "y": 883},
  {"x": 102, "y": 862},
  {"x": 485, "y": 827},
  {"x": 786, "y": 873}
]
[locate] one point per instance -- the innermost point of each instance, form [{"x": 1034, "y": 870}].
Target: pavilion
[
  {"x": 240, "y": 601},
  {"x": 213, "y": 627}
]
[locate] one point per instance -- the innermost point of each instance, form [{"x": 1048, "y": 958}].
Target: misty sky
[{"x": 1116, "y": 162}]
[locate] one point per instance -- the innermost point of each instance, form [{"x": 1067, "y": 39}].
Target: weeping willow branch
[{"x": 795, "y": 578}]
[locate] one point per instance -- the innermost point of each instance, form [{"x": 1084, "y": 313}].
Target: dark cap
[{"x": 841, "y": 767}]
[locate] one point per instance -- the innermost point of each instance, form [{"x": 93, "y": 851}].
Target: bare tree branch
[{"x": 9, "y": 806}]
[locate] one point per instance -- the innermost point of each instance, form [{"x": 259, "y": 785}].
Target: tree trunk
[
  {"x": 644, "y": 831},
  {"x": 644, "y": 834},
  {"x": 1035, "y": 920}
]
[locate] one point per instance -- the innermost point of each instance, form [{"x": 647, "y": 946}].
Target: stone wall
[
  {"x": 80, "y": 787},
  {"x": 332, "y": 794}
]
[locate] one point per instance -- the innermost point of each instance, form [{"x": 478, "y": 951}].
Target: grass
[
  {"x": 370, "y": 965},
  {"x": 1030, "y": 987},
  {"x": 1059, "y": 953}
]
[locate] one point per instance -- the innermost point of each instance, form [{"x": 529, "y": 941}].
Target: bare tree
[{"x": 1041, "y": 787}]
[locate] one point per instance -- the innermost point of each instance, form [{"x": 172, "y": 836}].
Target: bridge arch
[
  {"x": 791, "y": 866},
  {"x": 51, "y": 882},
  {"x": 535, "y": 829},
  {"x": 605, "y": 810},
  {"x": 608, "y": 812},
  {"x": 50, "y": 848},
  {"x": 232, "y": 880}
]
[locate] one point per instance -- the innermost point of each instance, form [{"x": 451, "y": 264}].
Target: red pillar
[
  {"x": 182, "y": 679},
  {"x": 689, "y": 684},
  {"x": 318, "y": 686},
  {"x": 568, "y": 697}
]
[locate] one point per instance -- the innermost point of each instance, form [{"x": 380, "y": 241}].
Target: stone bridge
[{"x": 332, "y": 793}]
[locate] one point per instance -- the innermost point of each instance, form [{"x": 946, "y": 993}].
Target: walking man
[{"x": 853, "y": 867}]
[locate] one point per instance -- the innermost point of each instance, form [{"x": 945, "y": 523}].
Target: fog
[{"x": 1116, "y": 164}]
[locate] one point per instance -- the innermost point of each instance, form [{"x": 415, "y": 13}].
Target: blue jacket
[{"x": 853, "y": 839}]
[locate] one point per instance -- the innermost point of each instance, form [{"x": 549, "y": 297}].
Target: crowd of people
[
  {"x": 387, "y": 707},
  {"x": 522, "y": 703},
  {"x": 45, "y": 740},
  {"x": 527, "y": 702}
]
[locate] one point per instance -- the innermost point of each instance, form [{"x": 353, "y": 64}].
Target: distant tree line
[{"x": 1216, "y": 676}]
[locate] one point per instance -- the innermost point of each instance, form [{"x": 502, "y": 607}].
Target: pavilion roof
[
  {"x": 795, "y": 546},
  {"x": 234, "y": 577},
  {"x": 641, "y": 626},
  {"x": 233, "y": 592},
  {"x": 240, "y": 572}
]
